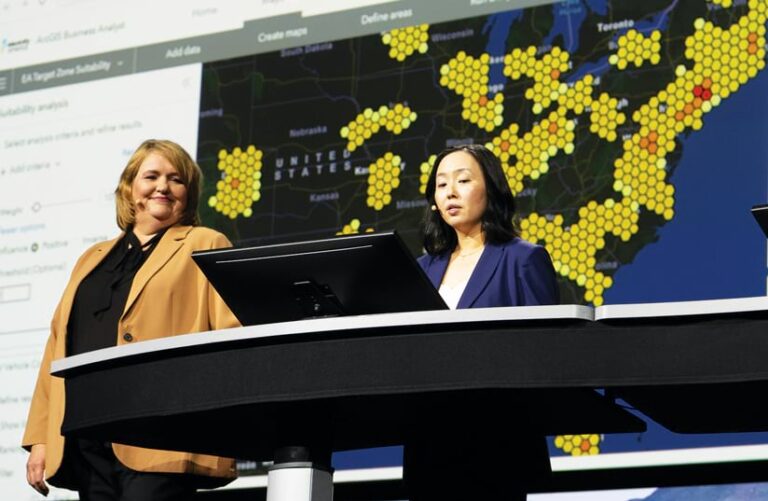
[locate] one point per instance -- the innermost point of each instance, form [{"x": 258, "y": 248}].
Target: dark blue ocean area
[{"x": 713, "y": 247}]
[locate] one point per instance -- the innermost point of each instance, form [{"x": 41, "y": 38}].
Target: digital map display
[{"x": 591, "y": 106}]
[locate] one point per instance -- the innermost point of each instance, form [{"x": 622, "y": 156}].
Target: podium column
[{"x": 295, "y": 477}]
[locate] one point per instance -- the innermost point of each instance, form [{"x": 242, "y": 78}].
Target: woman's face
[
  {"x": 158, "y": 193},
  {"x": 460, "y": 194}
]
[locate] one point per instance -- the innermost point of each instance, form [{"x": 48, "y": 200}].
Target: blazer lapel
[
  {"x": 482, "y": 273},
  {"x": 436, "y": 269},
  {"x": 168, "y": 245}
]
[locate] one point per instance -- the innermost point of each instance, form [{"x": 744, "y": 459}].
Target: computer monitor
[
  {"x": 348, "y": 275},
  {"x": 761, "y": 215}
]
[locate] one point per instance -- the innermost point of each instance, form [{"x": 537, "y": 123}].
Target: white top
[{"x": 451, "y": 295}]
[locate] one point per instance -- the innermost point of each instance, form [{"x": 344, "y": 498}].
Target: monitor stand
[{"x": 316, "y": 300}]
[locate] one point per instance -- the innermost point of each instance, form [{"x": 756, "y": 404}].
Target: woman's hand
[{"x": 36, "y": 469}]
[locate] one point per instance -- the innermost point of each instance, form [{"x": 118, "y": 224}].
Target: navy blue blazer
[{"x": 517, "y": 273}]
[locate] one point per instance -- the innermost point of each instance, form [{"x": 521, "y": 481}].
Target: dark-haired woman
[
  {"x": 474, "y": 254},
  {"x": 480, "y": 450}
]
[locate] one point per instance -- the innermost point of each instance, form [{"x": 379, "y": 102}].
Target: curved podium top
[{"x": 359, "y": 381}]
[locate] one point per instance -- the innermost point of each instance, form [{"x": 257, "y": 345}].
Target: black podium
[{"x": 355, "y": 382}]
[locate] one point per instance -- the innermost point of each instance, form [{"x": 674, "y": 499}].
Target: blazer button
[{"x": 127, "y": 337}]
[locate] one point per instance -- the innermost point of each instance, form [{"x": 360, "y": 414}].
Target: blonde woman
[{"x": 141, "y": 285}]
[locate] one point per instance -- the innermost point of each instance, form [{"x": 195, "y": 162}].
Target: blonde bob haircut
[{"x": 189, "y": 172}]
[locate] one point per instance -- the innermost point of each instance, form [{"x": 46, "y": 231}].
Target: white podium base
[{"x": 299, "y": 481}]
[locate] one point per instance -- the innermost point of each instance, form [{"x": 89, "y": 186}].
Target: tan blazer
[{"x": 169, "y": 296}]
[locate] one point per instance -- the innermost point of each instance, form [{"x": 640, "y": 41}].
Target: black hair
[{"x": 498, "y": 224}]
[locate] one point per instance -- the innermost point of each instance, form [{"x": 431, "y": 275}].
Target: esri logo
[{"x": 14, "y": 45}]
